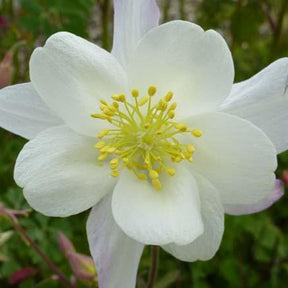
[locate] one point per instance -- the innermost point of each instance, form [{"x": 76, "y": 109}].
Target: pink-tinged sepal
[{"x": 277, "y": 193}]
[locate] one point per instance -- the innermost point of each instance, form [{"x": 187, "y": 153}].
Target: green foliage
[
  {"x": 50, "y": 16},
  {"x": 254, "y": 251}
]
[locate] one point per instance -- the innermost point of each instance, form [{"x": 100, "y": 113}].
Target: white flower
[{"x": 231, "y": 169}]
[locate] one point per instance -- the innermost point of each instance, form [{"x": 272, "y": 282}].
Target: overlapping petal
[
  {"x": 206, "y": 245},
  {"x": 179, "y": 56},
  {"x": 59, "y": 173},
  {"x": 263, "y": 100},
  {"x": 158, "y": 218},
  {"x": 116, "y": 255},
  {"x": 22, "y": 111},
  {"x": 236, "y": 156},
  {"x": 132, "y": 19},
  {"x": 71, "y": 75}
]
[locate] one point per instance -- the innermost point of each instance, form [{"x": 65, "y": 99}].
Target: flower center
[{"x": 144, "y": 136}]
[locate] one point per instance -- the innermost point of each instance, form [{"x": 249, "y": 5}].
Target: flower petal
[
  {"x": 236, "y": 156},
  {"x": 276, "y": 194},
  {"x": 22, "y": 111},
  {"x": 59, "y": 173},
  {"x": 206, "y": 245},
  {"x": 263, "y": 100},
  {"x": 158, "y": 217},
  {"x": 116, "y": 255},
  {"x": 132, "y": 19},
  {"x": 179, "y": 56},
  {"x": 71, "y": 75}
]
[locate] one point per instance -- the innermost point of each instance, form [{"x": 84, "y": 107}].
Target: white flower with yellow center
[{"x": 150, "y": 136}]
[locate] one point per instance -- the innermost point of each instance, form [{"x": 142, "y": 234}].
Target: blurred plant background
[{"x": 254, "y": 251}]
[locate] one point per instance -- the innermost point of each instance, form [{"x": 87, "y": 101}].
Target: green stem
[
  {"x": 49, "y": 263},
  {"x": 154, "y": 266}
]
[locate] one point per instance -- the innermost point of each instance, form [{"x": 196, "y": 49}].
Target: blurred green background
[{"x": 254, "y": 251}]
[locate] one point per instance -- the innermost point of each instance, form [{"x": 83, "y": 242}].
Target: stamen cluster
[{"x": 143, "y": 138}]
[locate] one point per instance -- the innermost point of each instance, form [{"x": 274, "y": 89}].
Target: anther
[
  {"x": 171, "y": 114},
  {"x": 115, "y": 174},
  {"x": 122, "y": 98},
  {"x": 108, "y": 112},
  {"x": 190, "y": 148},
  {"x": 114, "y": 163},
  {"x": 181, "y": 127},
  {"x": 170, "y": 171},
  {"x": 157, "y": 184},
  {"x": 173, "y": 106},
  {"x": 135, "y": 93},
  {"x": 103, "y": 102},
  {"x": 100, "y": 145},
  {"x": 143, "y": 101},
  {"x": 141, "y": 176},
  {"x": 153, "y": 174},
  {"x": 115, "y": 97},
  {"x": 103, "y": 133},
  {"x": 169, "y": 96},
  {"x": 102, "y": 156},
  {"x": 99, "y": 116},
  {"x": 152, "y": 91},
  {"x": 115, "y": 105},
  {"x": 197, "y": 132}
]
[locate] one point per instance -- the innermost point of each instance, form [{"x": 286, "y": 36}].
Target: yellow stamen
[
  {"x": 197, "y": 132},
  {"x": 170, "y": 171},
  {"x": 143, "y": 101},
  {"x": 103, "y": 133},
  {"x": 102, "y": 156},
  {"x": 173, "y": 106},
  {"x": 115, "y": 174},
  {"x": 153, "y": 174},
  {"x": 171, "y": 114},
  {"x": 141, "y": 176},
  {"x": 142, "y": 140},
  {"x": 99, "y": 116},
  {"x": 100, "y": 145},
  {"x": 157, "y": 184},
  {"x": 169, "y": 96},
  {"x": 152, "y": 91},
  {"x": 114, "y": 163},
  {"x": 190, "y": 148},
  {"x": 135, "y": 93}
]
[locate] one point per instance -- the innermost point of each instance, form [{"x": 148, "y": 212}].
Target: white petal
[
  {"x": 276, "y": 194},
  {"x": 22, "y": 111},
  {"x": 206, "y": 245},
  {"x": 71, "y": 75},
  {"x": 179, "y": 56},
  {"x": 132, "y": 19},
  {"x": 158, "y": 217},
  {"x": 236, "y": 156},
  {"x": 59, "y": 173},
  {"x": 116, "y": 255},
  {"x": 263, "y": 100}
]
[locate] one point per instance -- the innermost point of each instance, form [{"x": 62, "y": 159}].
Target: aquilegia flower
[{"x": 153, "y": 136}]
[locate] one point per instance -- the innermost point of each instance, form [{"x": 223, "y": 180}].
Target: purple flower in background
[{"x": 2, "y": 22}]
